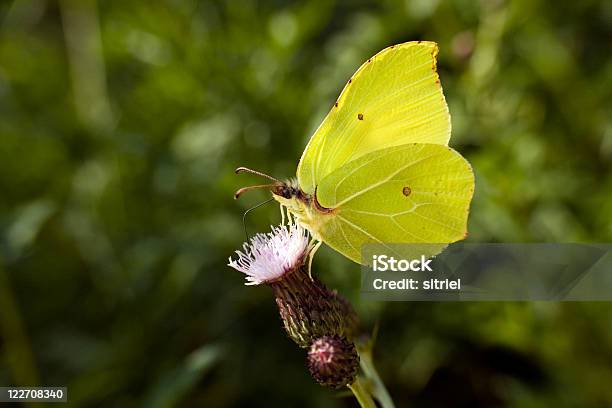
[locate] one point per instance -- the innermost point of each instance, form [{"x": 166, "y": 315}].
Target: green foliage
[{"x": 121, "y": 123}]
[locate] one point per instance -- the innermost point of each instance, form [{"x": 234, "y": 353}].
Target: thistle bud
[
  {"x": 310, "y": 310},
  {"x": 333, "y": 361}
]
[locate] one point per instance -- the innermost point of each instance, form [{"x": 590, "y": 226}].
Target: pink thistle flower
[
  {"x": 306, "y": 306},
  {"x": 268, "y": 257}
]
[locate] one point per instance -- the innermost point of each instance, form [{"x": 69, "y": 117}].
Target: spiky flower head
[
  {"x": 268, "y": 257},
  {"x": 333, "y": 361},
  {"x": 307, "y": 307}
]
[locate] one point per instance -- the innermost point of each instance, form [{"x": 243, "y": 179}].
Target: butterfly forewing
[{"x": 394, "y": 98}]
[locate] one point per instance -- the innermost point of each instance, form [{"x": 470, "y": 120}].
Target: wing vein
[{"x": 388, "y": 178}]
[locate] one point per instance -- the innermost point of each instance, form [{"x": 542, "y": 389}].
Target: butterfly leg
[{"x": 311, "y": 256}]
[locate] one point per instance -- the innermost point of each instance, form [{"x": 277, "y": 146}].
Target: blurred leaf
[{"x": 175, "y": 384}]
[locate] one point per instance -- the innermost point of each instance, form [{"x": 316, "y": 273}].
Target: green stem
[
  {"x": 363, "y": 396},
  {"x": 380, "y": 391}
]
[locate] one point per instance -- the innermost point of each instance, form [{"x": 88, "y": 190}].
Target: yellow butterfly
[{"x": 378, "y": 168}]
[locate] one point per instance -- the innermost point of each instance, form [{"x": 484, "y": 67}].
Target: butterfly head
[
  {"x": 287, "y": 193},
  {"x": 287, "y": 190}
]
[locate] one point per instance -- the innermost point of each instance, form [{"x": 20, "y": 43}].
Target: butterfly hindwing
[{"x": 414, "y": 193}]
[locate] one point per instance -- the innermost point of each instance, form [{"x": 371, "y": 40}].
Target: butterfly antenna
[
  {"x": 238, "y": 193},
  {"x": 246, "y": 234},
  {"x": 257, "y": 173}
]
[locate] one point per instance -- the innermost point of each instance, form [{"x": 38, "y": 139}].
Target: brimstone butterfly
[{"x": 378, "y": 169}]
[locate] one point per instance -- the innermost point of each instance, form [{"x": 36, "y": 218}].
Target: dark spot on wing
[
  {"x": 336, "y": 104},
  {"x": 360, "y": 116},
  {"x": 350, "y": 80},
  {"x": 406, "y": 191},
  {"x": 418, "y": 42},
  {"x": 369, "y": 59}
]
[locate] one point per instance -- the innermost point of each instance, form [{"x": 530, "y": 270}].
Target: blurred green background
[{"x": 121, "y": 123}]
